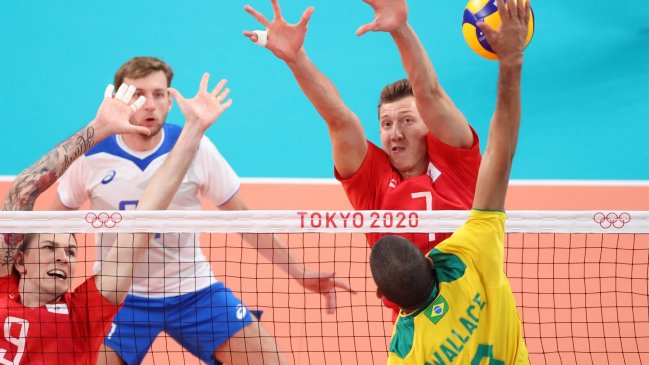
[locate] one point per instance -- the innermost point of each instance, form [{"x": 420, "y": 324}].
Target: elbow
[{"x": 340, "y": 119}]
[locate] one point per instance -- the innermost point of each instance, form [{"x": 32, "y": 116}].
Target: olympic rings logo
[
  {"x": 103, "y": 219},
  {"x": 612, "y": 219}
]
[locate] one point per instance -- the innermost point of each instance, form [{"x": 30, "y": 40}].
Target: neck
[
  {"x": 416, "y": 170},
  {"x": 140, "y": 143},
  {"x": 32, "y": 297}
]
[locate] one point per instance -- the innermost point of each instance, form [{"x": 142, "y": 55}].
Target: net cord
[{"x": 294, "y": 221}]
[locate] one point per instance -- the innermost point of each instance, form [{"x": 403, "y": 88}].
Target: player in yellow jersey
[{"x": 457, "y": 306}]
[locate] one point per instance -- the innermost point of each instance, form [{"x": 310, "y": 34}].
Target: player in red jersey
[
  {"x": 430, "y": 155},
  {"x": 45, "y": 323}
]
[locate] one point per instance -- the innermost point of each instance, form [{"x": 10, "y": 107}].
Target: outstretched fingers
[
  {"x": 503, "y": 9},
  {"x": 366, "y": 28},
  {"x": 139, "y": 130},
  {"x": 257, "y": 15},
  {"x": 137, "y": 104},
  {"x": 220, "y": 97},
  {"x": 227, "y": 103},
  {"x": 175, "y": 94},
  {"x": 217, "y": 89},
  {"x": 277, "y": 11},
  {"x": 486, "y": 29},
  {"x": 527, "y": 10},
  {"x": 306, "y": 16},
  {"x": 342, "y": 285},
  {"x": 108, "y": 93},
  {"x": 205, "y": 79}
]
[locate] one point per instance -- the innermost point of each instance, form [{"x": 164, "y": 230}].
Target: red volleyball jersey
[
  {"x": 448, "y": 184},
  {"x": 69, "y": 331}
]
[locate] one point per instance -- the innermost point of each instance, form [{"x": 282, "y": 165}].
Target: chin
[
  {"x": 61, "y": 289},
  {"x": 398, "y": 165}
]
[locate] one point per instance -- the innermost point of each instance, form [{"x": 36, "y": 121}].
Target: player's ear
[
  {"x": 19, "y": 262},
  {"x": 379, "y": 293},
  {"x": 429, "y": 262}
]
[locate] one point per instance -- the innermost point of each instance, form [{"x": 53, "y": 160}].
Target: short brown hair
[
  {"x": 138, "y": 67},
  {"x": 395, "y": 91}
]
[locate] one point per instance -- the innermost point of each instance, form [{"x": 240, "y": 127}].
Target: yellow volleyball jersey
[{"x": 470, "y": 317}]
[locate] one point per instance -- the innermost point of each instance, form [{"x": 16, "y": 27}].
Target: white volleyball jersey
[{"x": 113, "y": 177}]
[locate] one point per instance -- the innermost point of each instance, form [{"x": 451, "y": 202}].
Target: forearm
[
  {"x": 116, "y": 276},
  {"x": 34, "y": 180},
  {"x": 320, "y": 91},
  {"x": 493, "y": 177},
  {"x": 442, "y": 118},
  {"x": 416, "y": 62},
  {"x": 347, "y": 136},
  {"x": 273, "y": 249},
  {"x": 504, "y": 128},
  {"x": 164, "y": 184}
]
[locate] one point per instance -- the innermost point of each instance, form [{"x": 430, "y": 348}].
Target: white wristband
[{"x": 262, "y": 37}]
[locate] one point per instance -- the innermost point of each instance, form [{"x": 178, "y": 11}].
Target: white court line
[{"x": 515, "y": 182}]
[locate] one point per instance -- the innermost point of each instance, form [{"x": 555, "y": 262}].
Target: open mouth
[{"x": 58, "y": 274}]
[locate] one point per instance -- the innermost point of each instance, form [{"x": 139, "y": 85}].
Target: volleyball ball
[{"x": 485, "y": 11}]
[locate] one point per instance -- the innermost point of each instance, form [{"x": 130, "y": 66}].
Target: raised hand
[
  {"x": 323, "y": 283},
  {"x": 114, "y": 112},
  {"x": 508, "y": 42},
  {"x": 389, "y": 15},
  {"x": 206, "y": 107},
  {"x": 284, "y": 40}
]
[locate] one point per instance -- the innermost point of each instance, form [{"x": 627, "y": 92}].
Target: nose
[
  {"x": 397, "y": 132},
  {"x": 148, "y": 104},
  {"x": 61, "y": 255}
]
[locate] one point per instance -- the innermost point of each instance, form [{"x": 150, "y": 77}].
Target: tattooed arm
[
  {"x": 41, "y": 175},
  {"x": 112, "y": 118}
]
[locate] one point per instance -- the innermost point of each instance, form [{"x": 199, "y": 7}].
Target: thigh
[
  {"x": 204, "y": 320},
  {"x": 252, "y": 345},
  {"x": 135, "y": 327}
]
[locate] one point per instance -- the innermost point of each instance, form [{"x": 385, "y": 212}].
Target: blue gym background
[{"x": 585, "y": 84}]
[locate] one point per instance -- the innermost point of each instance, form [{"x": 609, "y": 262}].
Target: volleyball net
[{"x": 580, "y": 279}]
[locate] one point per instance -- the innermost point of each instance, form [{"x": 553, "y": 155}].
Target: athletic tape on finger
[
  {"x": 119, "y": 95},
  {"x": 262, "y": 37},
  {"x": 138, "y": 103},
  {"x": 109, "y": 91},
  {"x": 129, "y": 93}
]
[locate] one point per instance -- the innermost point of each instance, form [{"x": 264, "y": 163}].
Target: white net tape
[{"x": 280, "y": 221}]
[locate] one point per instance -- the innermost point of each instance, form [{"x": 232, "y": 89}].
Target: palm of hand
[
  {"x": 115, "y": 114},
  {"x": 390, "y": 18},
  {"x": 203, "y": 109},
  {"x": 389, "y": 15},
  {"x": 285, "y": 40},
  {"x": 510, "y": 38},
  {"x": 316, "y": 283}
]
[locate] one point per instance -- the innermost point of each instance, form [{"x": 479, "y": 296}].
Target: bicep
[
  {"x": 349, "y": 147},
  {"x": 72, "y": 191},
  {"x": 234, "y": 203}
]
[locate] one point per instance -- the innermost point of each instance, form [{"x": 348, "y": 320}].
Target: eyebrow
[
  {"x": 58, "y": 244},
  {"x": 399, "y": 114}
]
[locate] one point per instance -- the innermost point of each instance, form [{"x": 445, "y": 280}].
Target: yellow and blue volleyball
[{"x": 485, "y": 11}]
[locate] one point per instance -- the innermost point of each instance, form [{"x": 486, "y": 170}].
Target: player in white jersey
[{"x": 176, "y": 273}]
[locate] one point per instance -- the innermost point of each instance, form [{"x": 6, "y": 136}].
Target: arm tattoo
[
  {"x": 36, "y": 179},
  {"x": 41, "y": 175}
]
